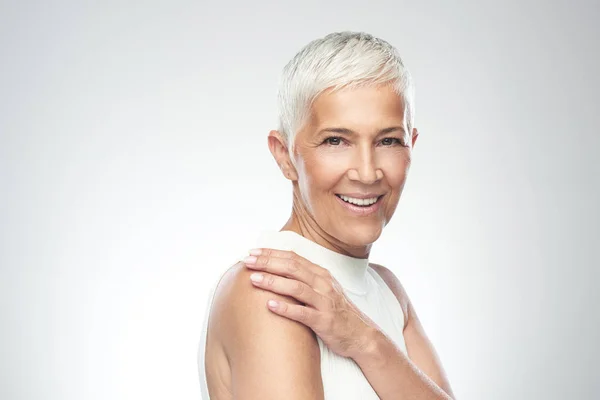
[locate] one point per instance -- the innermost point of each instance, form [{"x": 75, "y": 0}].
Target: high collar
[{"x": 350, "y": 272}]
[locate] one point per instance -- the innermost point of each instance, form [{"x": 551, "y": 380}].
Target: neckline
[{"x": 349, "y": 271}]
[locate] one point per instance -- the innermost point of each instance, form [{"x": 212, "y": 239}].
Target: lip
[
  {"x": 361, "y": 195},
  {"x": 361, "y": 211}
]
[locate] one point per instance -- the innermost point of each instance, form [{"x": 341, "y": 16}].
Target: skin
[
  {"x": 373, "y": 157},
  {"x": 355, "y": 141}
]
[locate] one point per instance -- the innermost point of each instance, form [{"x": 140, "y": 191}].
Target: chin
[{"x": 359, "y": 235}]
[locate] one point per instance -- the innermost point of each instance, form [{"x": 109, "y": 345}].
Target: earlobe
[
  {"x": 291, "y": 174},
  {"x": 288, "y": 169}
]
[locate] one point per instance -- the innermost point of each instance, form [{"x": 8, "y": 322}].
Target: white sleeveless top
[{"x": 342, "y": 378}]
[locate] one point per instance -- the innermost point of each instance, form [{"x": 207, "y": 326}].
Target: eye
[
  {"x": 390, "y": 141},
  {"x": 333, "y": 141}
]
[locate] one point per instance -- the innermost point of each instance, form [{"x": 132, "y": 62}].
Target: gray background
[{"x": 134, "y": 168}]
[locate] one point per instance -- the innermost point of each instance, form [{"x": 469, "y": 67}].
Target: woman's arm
[
  {"x": 270, "y": 357},
  {"x": 391, "y": 373},
  {"x": 349, "y": 332}
]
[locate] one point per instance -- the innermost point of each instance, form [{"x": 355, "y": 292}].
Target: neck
[{"x": 304, "y": 224}]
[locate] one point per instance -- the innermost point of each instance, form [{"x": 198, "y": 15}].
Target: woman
[{"x": 339, "y": 328}]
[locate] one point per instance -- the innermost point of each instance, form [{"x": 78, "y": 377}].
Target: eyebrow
[{"x": 346, "y": 131}]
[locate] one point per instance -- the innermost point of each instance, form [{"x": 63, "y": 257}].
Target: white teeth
[{"x": 359, "y": 202}]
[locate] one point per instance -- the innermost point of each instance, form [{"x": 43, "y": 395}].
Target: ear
[
  {"x": 281, "y": 154},
  {"x": 415, "y": 134}
]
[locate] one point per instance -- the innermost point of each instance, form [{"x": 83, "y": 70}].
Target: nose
[{"x": 365, "y": 169}]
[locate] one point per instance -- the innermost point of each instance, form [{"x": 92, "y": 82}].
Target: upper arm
[
  {"x": 418, "y": 346},
  {"x": 270, "y": 356}
]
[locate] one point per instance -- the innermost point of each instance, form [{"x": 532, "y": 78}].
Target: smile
[
  {"x": 359, "y": 202},
  {"x": 360, "y": 206}
]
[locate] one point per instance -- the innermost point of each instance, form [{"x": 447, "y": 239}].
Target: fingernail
[
  {"x": 250, "y": 260},
  {"x": 256, "y": 277},
  {"x": 255, "y": 252},
  {"x": 272, "y": 303}
]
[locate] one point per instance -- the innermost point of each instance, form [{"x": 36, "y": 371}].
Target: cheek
[
  {"x": 321, "y": 174},
  {"x": 395, "y": 170}
]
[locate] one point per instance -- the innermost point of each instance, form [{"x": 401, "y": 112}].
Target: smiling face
[{"x": 352, "y": 159}]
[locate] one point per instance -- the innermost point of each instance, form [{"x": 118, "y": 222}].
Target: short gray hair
[{"x": 338, "y": 60}]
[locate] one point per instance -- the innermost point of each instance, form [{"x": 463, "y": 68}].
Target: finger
[
  {"x": 291, "y": 255},
  {"x": 305, "y": 315},
  {"x": 288, "y": 287},
  {"x": 290, "y": 267}
]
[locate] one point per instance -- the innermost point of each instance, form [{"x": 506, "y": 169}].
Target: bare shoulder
[
  {"x": 270, "y": 356},
  {"x": 395, "y": 285}
]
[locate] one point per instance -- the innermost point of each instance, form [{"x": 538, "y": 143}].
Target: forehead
[{"x": 361, "y": 107}]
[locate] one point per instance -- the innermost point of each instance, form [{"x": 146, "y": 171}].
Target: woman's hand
[{"x": 326, "y": 309}]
